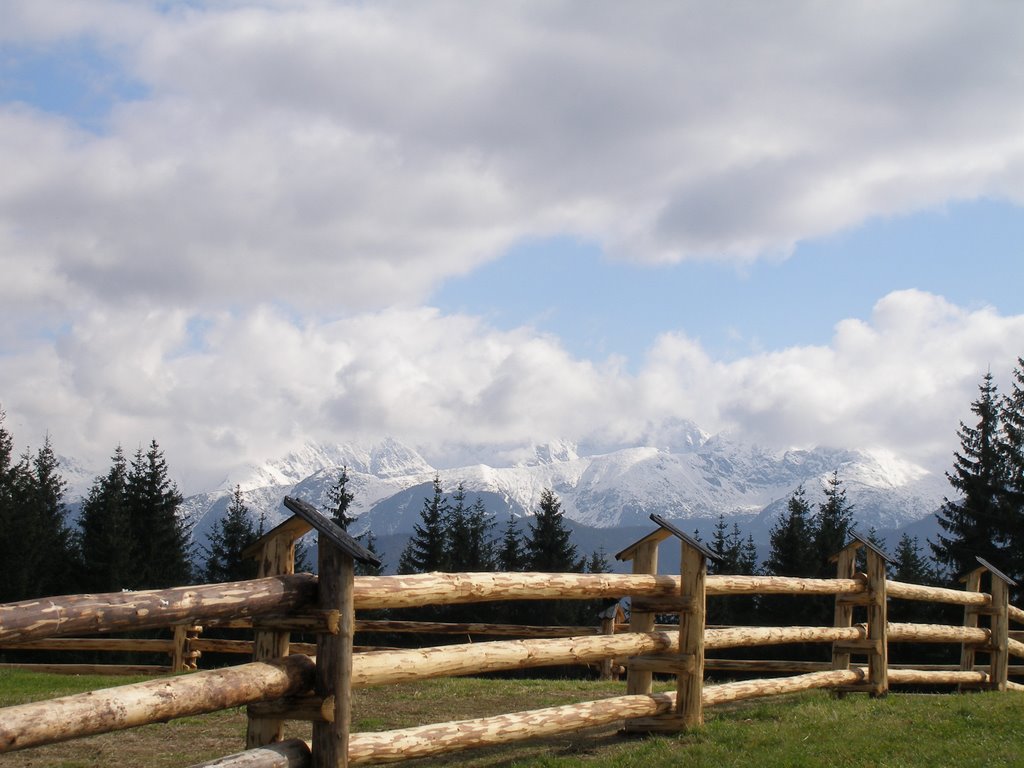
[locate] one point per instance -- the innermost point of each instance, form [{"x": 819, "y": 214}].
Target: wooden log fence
[{"x": 314, "y": 683}]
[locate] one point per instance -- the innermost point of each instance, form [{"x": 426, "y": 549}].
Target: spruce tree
[
  {"x": 469, "y": 540},
  {"x": 791, "y": 551},
  {"x": 35, "y": 543},
  {"x": 340, "y": 498},
  {"x": 231, "y": 534},
  {"x": 972, "y": 521},
  {"x": 10, "y": 548},
  {"x": 105, "y": 536},
  {"x": 511, "y": 556},
  {"x": 549, "y": 547},
  {"x": 48, "y": 543},
  {"x": 427, "y": 550},
  {"x": 160, "y": 537},
  {"x": 832, "y": 525},
  {"x": 1012, "y": 514}
]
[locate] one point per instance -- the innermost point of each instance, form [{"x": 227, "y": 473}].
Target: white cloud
[
  {"x": 225, "y": 389},
  {"x": 237, "y": 261},
  {"x": 342, "y": 156}
]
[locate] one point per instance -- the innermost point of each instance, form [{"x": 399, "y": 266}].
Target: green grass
[{"x": 814, "y": 729}]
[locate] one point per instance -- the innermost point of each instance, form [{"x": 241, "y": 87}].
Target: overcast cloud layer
[{"x": 238, "y": 260}]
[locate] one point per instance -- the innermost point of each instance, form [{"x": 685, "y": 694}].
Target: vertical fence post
[
  {"x": 645, "y": 560},
  {"x": 999, "y": 624},
  {"x": 607, "y": 617},
  {"x": 337, "y": 553},
  {"x": 972, "y": 583},
  {"x": 846, "y": 568},
  {"x": 690, "y": 684},
  {"x": 999, "y": 657},
  {"x": 275, "y": 552},
  {"x": 334, "y": 656},
  {"x": 178, "y": 663},
  {"x": 878, "y": 655}
]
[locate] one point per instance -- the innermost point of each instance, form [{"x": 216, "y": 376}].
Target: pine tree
[
  {"x": 1012, "y": 445},
  {"x": 105, "y": 538},
  {"x": 549, "y": 547},
  {"x": 511, "y": 556},
  {"x": 426, "y": 550},
  {"x": 229, "y": 536},
  {"x": 48, "y": 541},
  {"x": 469, "y": 540},
  {"x": 972, "y": 522},
  {"x": 160, "y": 537},
  {"x": 368, "y": 540},
  {"x": 832, "y": 525},
  {"x": 10, "y": 550},
  {"x": 340, "y": 498},
  {"x": 791, "y": 551}
]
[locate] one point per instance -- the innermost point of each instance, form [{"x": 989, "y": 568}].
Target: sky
[{"x": 236, "y": 227}]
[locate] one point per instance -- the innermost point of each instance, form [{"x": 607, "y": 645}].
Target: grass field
[{"x": 981, "y": 729}]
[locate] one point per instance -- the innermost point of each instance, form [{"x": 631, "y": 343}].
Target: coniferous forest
[{"x": 129, "y": 534}]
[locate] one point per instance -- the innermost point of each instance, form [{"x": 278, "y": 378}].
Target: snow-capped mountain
[{"x": 693, "y": 479}]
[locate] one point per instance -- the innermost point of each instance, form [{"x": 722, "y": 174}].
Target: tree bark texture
[
  {"x": 130, "y": 611},
  {"x": 127, "y": 706},
  {"x": 440, "y": 738},
  {"x": 293, "y": 753}
]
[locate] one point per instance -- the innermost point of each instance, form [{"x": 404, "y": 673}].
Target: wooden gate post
[
  {"x": 688, "y": 664},
  {"x": 875, "y": 645},
  {"x": 972, "y": 583},
  {"x": 337, "y": 553},
  {"x": 878, "y": 624},
  {"x": 999, "y": 624},
  {"x": 275, "y": 554},
  {"x": 846, "y": 568}
]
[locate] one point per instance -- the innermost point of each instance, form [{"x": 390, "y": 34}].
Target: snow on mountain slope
[{"x": 721, "y": 475}]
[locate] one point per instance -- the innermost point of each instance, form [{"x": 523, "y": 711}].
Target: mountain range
[{"x": 607, "y": 497}]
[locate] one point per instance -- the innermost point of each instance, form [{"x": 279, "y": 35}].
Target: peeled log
[
  {"x": 780, "y": 585},
  {"x": 740, "y": 637},
  {"x": 472, "y": 628},
  {"x": 378, "y": 668},
  {"x": 127, "y": 706},
  {"x": 1015, "y": 647},
  {"x": 147, "y": 609},
  {"x": 293, "y": 753},
  {"x": 936, "y": 633},
  {"x": 1016, "y": 614},
  {"x": 428, "y": 740},
  {"x": 935, "y": 677},
  {"x": 408, "y": 591},
  {"x": 935, "y": 594},
  {"x": 752, "y": 689}
]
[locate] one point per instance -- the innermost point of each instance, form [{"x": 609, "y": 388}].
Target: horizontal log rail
[
  {"x": 150, "y": 609},
  {"x": 927, "y": 594},
  {"x": 746, "y": 637},
  {"x": 1015, "y": 647},
  {"x": 386, "y": 667},
  {"x": 92, "y": 669},
  {"x": 474, "y": 628},
  {"x": 1016, "y": 614},
  {"x": 410, "y": 591},
  {"x": 128, "y": 706},
  {"x": 119, "y": 644}
]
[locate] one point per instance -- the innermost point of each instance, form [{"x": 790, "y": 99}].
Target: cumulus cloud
[
  {"x": 237, "y": 259},
  {"x": 228, "y": 388},
  {"x": 350, "y": 157}
]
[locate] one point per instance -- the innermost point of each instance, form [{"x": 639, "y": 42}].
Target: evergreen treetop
[
  {"x": 230, "y": 535},
  {"x": 549, "y": 547},
  {"x": 973, "y": 522}
]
